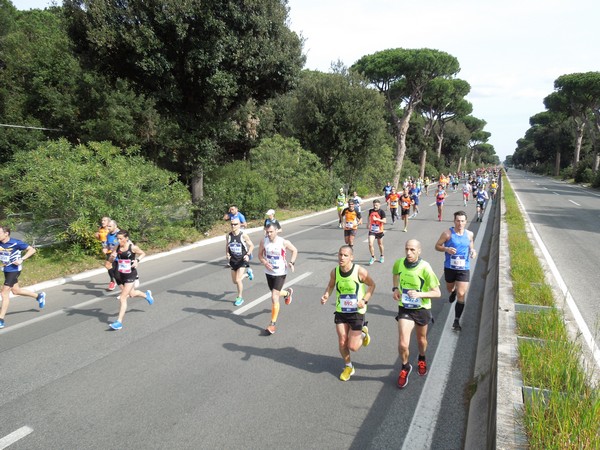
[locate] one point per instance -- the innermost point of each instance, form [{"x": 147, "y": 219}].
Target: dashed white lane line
[
  {"x": 575, "y": 203},
  {"x": 13, "y": 437},
  {"x": 267, "y": 296},
  {"x": 555, "y": 193}
]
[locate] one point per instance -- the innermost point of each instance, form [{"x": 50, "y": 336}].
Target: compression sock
[
  {"x": 274, "y": 312},
  {"x": 458, "y": 310}
]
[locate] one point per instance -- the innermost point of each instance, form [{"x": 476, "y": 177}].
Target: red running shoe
[
  {"x": 422, "y": 368},
  {"x": 403, "y": 377},
  {"x": 288, "y": 297}
]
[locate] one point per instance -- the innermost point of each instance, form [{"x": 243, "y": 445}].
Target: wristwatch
[{"x": 395, "y": 288}]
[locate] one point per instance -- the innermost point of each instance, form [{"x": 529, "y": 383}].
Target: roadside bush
[
  {"x": 596, "y": 181},
  {"x": 297, "y": 175},
  {"x": 566, "y": 173},
  {"x": 583, "y": 174},
  {"x": 74, "y": 186},
  {"x": 236, "y": 183}
]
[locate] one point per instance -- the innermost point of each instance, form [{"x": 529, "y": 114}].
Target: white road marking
[
  {"x": 575, "y": 203},
  {"x": 426, "y": 414},
  {"x": 259, "y": 300},
  {"x": 13, "y": 437},
  {"x": 555, "y": 193}
]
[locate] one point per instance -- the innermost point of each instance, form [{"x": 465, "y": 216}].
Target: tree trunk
[
  {"x": 596, "y": 162},
  {"x": 459, "y": 164},
  {"x": 440, "y": 139},
  {"x": 557, "y": 163},
  {"x": 423, "y": 162},
  {"x": 580, "y": 129},
  {"x": 197, "y": 186},
  {"x": 403, "y": 124}
]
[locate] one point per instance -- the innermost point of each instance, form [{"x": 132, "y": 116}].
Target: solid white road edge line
[
  {"x": 13, "y": 437},
  {"x": 575, "y": 203},
  {"x": 259, "y": 300},
  {"x": 425, "y": 417}
]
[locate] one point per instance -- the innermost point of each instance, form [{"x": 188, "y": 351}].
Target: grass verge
[{"x": 569, "y": 416}]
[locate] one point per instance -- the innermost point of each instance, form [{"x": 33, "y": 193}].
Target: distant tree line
[
  {"x": 564, "y": 140},
  {"x": 213, "y": 97}
]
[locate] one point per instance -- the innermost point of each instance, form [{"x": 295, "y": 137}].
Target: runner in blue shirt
[{"x": 11, "y": 261}]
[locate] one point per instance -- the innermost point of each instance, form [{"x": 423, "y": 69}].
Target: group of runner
[{"x": 414, "y": 283}]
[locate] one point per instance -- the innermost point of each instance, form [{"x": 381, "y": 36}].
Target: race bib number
[
  {"x": 375, "y": 228},
  {"x": 350, "y": 225},
  {"x": 235, "y": 248},
  {"x": 349, "y": 303},
  {"x": 393, "y": 204},
  {"x": 275, "y": 261},
  {"x": 458, "y": 262},
  {"x": 124, "y": 266},
  {"x": 408, "y": 302},
  {"x": 5, "y": 257}
]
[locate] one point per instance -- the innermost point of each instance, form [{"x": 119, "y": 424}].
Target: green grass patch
[
  {"x": 569, "y": 417},
  {"x": 541, "y": 325},
  {"x": 563, "y": 421},
  {"x": 552, "y": 365}
]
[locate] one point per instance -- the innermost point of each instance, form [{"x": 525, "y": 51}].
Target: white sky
[{"x": 510, "y": 52}]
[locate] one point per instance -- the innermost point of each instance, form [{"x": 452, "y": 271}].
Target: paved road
[
  {"x": 567, "y": 219},
  {"x": 192, "y": 371}
]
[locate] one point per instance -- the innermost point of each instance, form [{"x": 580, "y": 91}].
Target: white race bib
[
  {"x": 458, "y": 262},
  {"x": 408, "y": 302},
  {"x": 124, "y": 266},
  {"x": 274, "y": 261},
  {"x": 349, "y": 303}
]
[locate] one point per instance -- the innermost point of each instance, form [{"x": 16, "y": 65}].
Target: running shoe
[
  {"x": 367, "y": 338},
  {"x": 238, "y": 301},
  {"x": 347, "y": 373},
  {"x": 340, "y": 225},
  {"x": 381, "y": 260},
  {"x": 250, "y": 273},
  {"x": 405, "y": 229},
  {"x": 271, "y": 329},
  {"x": 403, "y": 377},
  {"x": 372, "y": 260},
  {"x": 439, "y": 218},
  {"x": 452, "y": 296},
  {"x": 422, "y": 367},
  {"x": 41, "y": 299},
  {"x": 288, "y": 297},
  {"x": 1, "y": 323},
  {"x": 112, "y": 285},
  {"x": 456, "y": 325},
  {"x": 116, "y": 325},
  {"x": 149, "y": 297}
]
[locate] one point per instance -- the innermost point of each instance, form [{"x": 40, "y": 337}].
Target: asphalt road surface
[
  {"x": 567, "y": 220},
  {"x": 192, "y": 371}
]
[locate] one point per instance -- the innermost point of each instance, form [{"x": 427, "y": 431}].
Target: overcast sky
[{"x": 510, "y": 51}]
